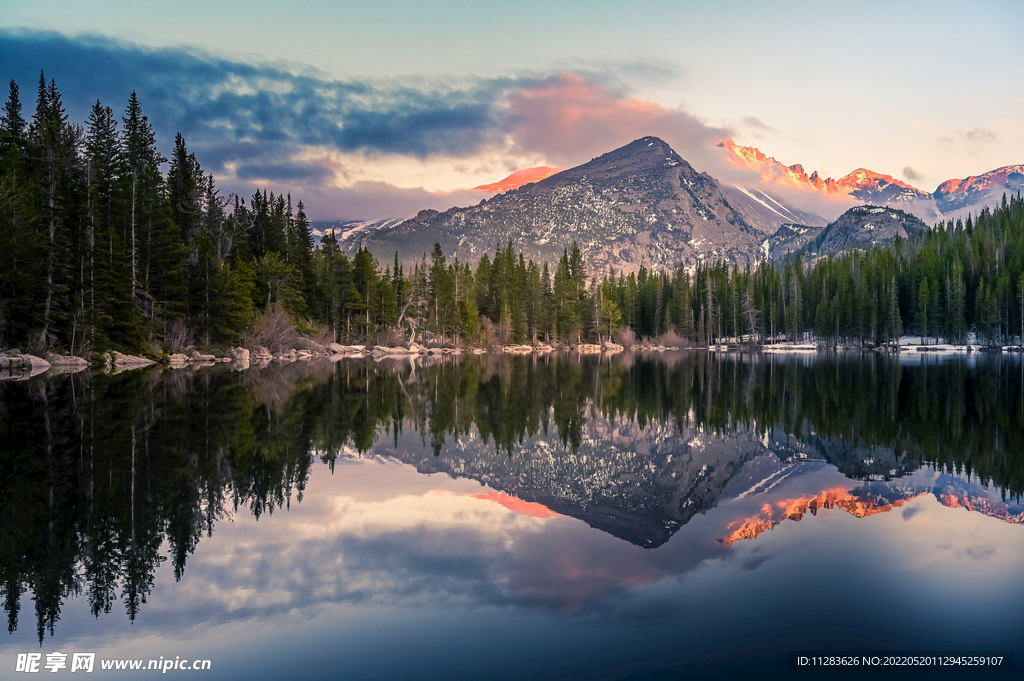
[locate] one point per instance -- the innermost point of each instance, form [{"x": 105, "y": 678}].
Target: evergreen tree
[
  {"x": 142, "y": 193},
  {"x": 185, "y": 187},
  {"x": 12, "y": 124},
  {"x": 54, "y": 145},
  {"x": 22, "y": 250}
]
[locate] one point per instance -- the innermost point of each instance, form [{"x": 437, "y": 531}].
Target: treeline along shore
[{"x": 101, "y": 249}]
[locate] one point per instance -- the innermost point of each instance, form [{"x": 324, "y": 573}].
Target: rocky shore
[{"x": 16, "y": 365}]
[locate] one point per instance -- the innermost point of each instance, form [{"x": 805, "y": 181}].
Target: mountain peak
[
  {"x": 953, "y": 195},
  {"x": 861, "y": 184},
  {"x": 646, "y": 150},
  {"x": 640, "y": 204},
  {"x": 863, "y": 178}
]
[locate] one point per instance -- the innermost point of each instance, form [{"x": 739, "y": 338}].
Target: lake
[{"x": 638, "y": 516}]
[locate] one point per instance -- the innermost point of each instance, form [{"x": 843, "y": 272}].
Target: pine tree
[
  {"x": 957, "y": 324},
  {"x": 54, "y": 142},
  {"x": 302, "y": 249},
  {"x": 103, "y": 165},
  {"x": 22, "y": 249},
  {"x": 141, "y": 182},
  {"x": 12, "y": 124},
  {"x": 923, "y": 303},
  {"x": 185, "y": 187}
]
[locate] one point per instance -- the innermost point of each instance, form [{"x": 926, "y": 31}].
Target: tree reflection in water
[{"x": 98, "y": 472}]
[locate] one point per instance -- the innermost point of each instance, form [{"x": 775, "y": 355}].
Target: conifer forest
[{"x": 105, "y": 243}]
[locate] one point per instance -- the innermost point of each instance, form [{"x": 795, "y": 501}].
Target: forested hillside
[{"x": 100, "y": 248}]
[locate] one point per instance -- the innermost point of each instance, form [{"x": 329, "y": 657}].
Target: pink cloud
[{"x": 570, "y": 120}]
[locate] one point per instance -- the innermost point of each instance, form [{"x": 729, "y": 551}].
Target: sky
[{"x": 379, "y": 110}]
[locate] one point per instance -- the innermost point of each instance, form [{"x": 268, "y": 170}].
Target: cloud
[
  {"x": 572, "y": 119},
  {"x": 757, "y": 123},
  {"x": 980, "y": 136},
  {"x": 209, "y": 98},
  {"x": 972, "y": 139},
  {"x": 357, "y": 149},
  {"x": 283, "y": 170},
  {"x": 375, "y": 200},
  {"x": 911, "y": 174},
  {"x": 977, "y": 553}
]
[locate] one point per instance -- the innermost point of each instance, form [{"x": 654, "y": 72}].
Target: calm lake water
[{"x": 687, "y": 515}]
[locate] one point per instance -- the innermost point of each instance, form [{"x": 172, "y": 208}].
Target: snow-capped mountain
[
  {"x": 985, "y": 189},
  {"x": 639, "y": 204},
  {"x": 867, "y": 186},
  {"x": 349, "y": 229}
]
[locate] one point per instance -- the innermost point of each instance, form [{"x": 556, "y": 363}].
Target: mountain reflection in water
[{"x": 103, "y": 478}]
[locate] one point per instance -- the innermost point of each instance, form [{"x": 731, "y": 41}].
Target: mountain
[
  {"x": 874, "y": 498},
  {"x": 518, "y": 179},
  {"x": 642, "y": 484},
  {"x": 639, "y": 204},
  {"x": 638, "y": 483},
  {"x": 858, "y": 228},
  {"x": 769, "y": 212},
  {"x": 951, "y": 197},
  {"x": 988, "y": 188},
  {"x": 862, "y": 184},
  {"x": 871, "y": 187},
  {"x": 348, "y": 229}
]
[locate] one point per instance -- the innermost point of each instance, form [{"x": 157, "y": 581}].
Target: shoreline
[{"x": 16, "y": 365}]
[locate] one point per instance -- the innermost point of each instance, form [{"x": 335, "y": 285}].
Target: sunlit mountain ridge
[
  {"x": 865, "y": 502},
  {"x": 869, "y": 186}
]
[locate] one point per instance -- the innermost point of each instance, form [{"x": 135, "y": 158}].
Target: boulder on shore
[
  {"x": 121, "y": 360},
  {"x": 66, "y": 360},
  {"x": 17, "y": 366},
  {"x": 18, "y": 360},
  {"x": 338, "y": 349}
]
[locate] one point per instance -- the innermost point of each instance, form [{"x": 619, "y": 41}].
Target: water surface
[{"x": 667, "y": 516}]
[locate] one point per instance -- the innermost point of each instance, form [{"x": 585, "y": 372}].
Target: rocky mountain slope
[
  {"x": 858, "y": 228},
  {"x": 348, "y": 229},
  {"x": 639, "y": 204},
  {"x": 769, "y": 212}
]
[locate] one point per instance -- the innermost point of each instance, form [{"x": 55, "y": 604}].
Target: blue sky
[{"x": 371, "y": 110}]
